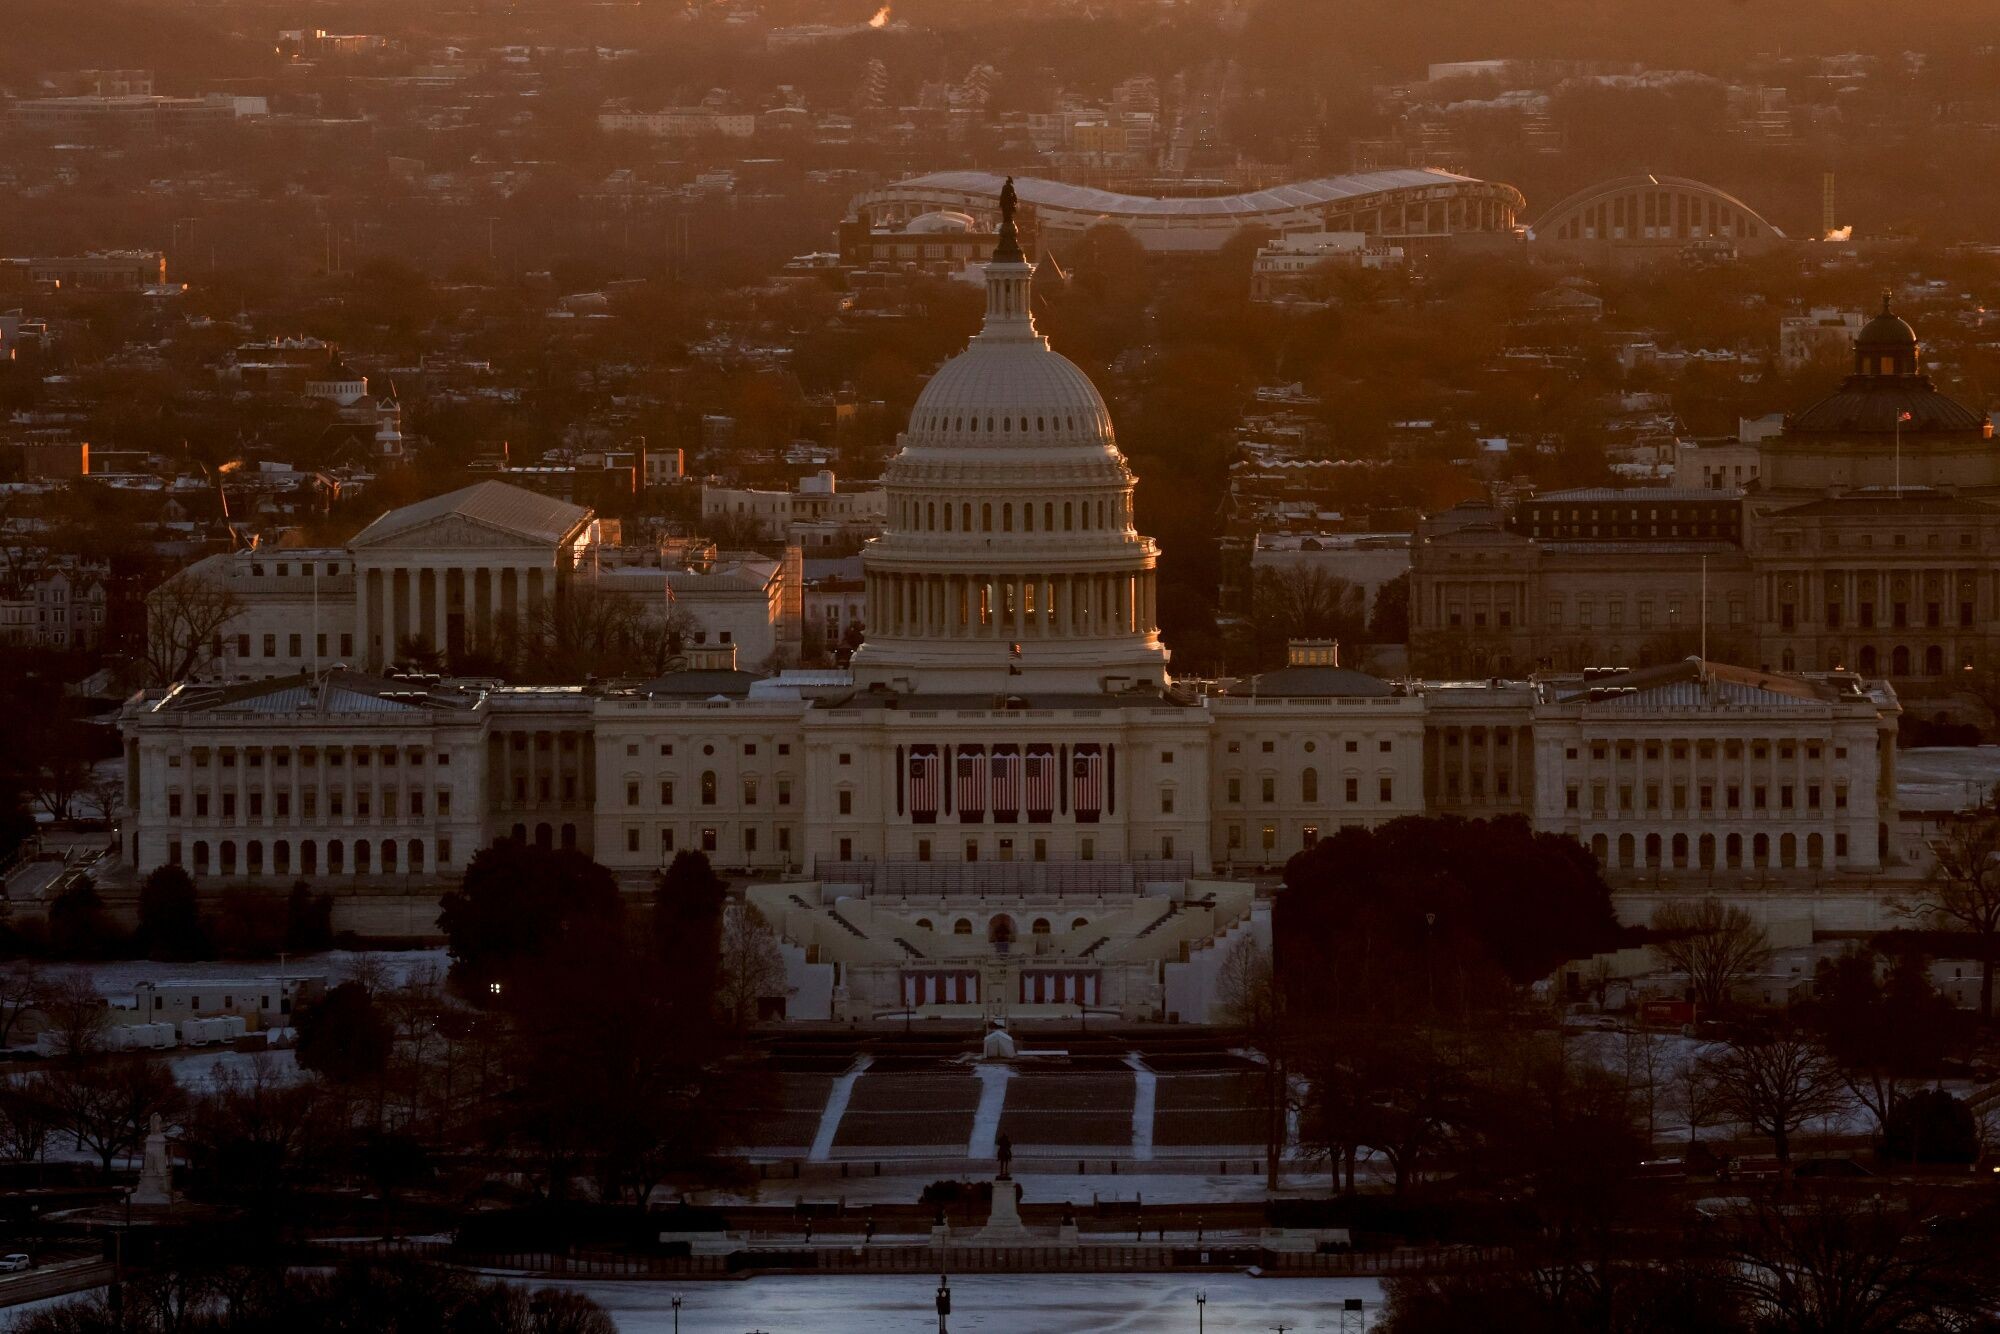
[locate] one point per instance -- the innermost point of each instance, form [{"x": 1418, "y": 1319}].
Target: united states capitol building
[{"x": 1006, "y": 799}]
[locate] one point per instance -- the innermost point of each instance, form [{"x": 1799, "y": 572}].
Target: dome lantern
[{"x": 1886, "y": 345}]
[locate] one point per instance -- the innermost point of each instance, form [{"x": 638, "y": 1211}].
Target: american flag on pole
[
  {"x": 971, "y": 785},
  {"x": 1087, "y": 773},
  {"x": 1904, "y": 416},
  {"x": 1006, "y": 783},
  {"x": 926, "y": 784},
  {"x": 1041, "y": 782}
]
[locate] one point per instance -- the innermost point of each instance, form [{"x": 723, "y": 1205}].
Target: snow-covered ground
[
  {"x": 1946, "y": 778},
  {"x": 1036, "y": 1188},
  {"x": 988, "y": 1304},
  {"x": 117, "y": 979}
]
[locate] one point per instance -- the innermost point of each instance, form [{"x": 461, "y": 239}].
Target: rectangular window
[
  {"x": 1270, "y": 790},
  {"x": 1167, "y": 801},
  {"x": 347, "y": 646},
  {"x": 201, "y": 805},
  {"x": 174, "y": 805},
  {"x": 846, "y": 801},
  {"x": 666, "y": 793},
  {"x": 631, "y": 840},
  {"x": 416, "y": 802},
  {"x": 1572, "y": 797},
  {"x": 292, "y": 644},
  {"x": 1354, "y": 789},
  {"x": 631, "y": 794},
  {"x": 784, "y": 791},
  {"x": 1387, "y": 789},
  {"x": 270, "y": 646},
  {"x": 1235, "y": 787},
  {"x": 444, "y": 852}
]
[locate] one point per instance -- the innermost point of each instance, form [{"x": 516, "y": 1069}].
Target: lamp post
[
  {"x": 943, "y": 1303},
  {"x": 1201, "y": 1312},
  {"x": 677, "y": 1313}
]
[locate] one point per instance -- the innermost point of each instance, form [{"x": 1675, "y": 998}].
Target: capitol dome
[{"x": 1010, "y": 560}]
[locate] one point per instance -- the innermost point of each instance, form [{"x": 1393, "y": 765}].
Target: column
[{"x": 361, "y": 639}]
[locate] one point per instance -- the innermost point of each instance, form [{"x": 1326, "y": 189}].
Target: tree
[
  {"x": 1251, "y": 1000},
  {"x": 1776, "y": 1083},
  {"x": 687, "y": 927},
  {"x": 251, "y": 1133},
  {"x": 1962, "y": 893},
  {"x": 1717, "y": 947},
  {"x": 1833, "y": 1262},
  {"x": 21, "y": 986},
  {"x": 752, "y": 967},
  {"x": 1930, "y": 1126},
  {"x": 517, "y": 906},
  {"x": 1886, "y": 1033},
  {"x": 344, "y": 1036},
  {"x": 170, "y": 916},
  {"x": 74, "y": 1011},
  {"x": 78, "y": 927},
  {"x": 184, "y": 617},
  {"x": 1389, "y": 620},
  {"x": 28, "y": 1116},
  {"x": 108, "y": 1105},
  {"x": 308, "y": 920},
  {"x": 1424, "y": 916}
]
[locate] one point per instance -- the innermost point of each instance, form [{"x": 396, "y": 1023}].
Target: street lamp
[
  {"x": 943, "y": 1303},
  {"x": 677, "y": 1313},
  {"x": 1201, "y": 1312}
]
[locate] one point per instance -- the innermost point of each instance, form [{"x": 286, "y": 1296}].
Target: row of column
[
  {"x": 537, "y": 762},
  {"x": 307, "y": 786},
  {"x": 394, "y": 603},
  {"x": 1818, "y": 588},
  {"x": 1719, "y": 771},
  {"x": 952, "y": 606}
]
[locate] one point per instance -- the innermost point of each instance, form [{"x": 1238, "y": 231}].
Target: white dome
[
  {"x": 1002, "y": 394},
  {"x": 943, "y": 220}
]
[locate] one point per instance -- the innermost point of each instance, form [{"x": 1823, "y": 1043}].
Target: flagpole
[{"x": 1899, "y": 453}]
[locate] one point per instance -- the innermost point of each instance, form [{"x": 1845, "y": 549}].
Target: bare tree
[
  {"x": 752, "y": 966},
  {"x": 1250, "y": 998},
  {"x": 1717, "y": 946},
  {"x": 74, "y": 1010},
  {"x": 1839, "y": 1262},
  {"x": 184, "y": 616},
  {"x": 1776, "y": 1083},
  {"x": 27, "y": 1116},
  {"x": 1962, "y": 893},
  {"x": 21, "y": 987},
  {"x": 107, "y": 1105}
]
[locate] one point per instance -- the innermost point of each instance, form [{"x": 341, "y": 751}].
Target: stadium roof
[{"x": 1279, "y": 198}]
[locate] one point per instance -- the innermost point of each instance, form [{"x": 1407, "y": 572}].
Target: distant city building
[
  {"x": 1821, "y": 336},
  {"x": 1296, "y": 266},
  {"x": 103, "y": 271},
  {"x": 1636, "y": 215},
  {"x": 816, "y": 513}
]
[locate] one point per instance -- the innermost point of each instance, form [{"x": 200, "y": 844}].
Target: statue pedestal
[
  {"x": 1066, "y": 1235},
  {"x": 156, "y": 1177},
  {"x": 1003, "y": 1224},
  {"x": 940, "y": 1234}
]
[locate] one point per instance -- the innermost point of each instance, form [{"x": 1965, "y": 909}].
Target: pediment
[{"x": 451, "y": 532}]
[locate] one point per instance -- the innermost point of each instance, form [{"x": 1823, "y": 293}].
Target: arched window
[
  {"x": 254, "y": 856},
  {"x": 924, "y": 922},
  {"x": 1039, "y": 927},
  {"x": 1007, "y": 518},
  {"x": 1760, "y": 850},
  {"x": 1600, "y": 848},
  {"x": 1815, "y": 850},
  {"x": 520, "y": 833},
  {"x": 962, "y": 927},
  {"x": 1309, "y": 785},
  {"x": 228, "y": 857},
  {"x": 1788, "y": 850},
  {"x": 1934, "y": 660},
  {"x": 1627, "y": 848},
  {"x": 569, "y": 838},
  {"x": 1027, "y": 518},
  {"x": 388, "y": 856},
  {"x": 308, "y": 857},
  {"x": 416, "y": 854},
  {"x": 1653, "y": 850},
  {"x": 545, "y": 836},
  {"x": 361, "y": 856},
  {"x": 200, "y": 857},
  {"x": 947, "y": 516},
  {"x": 1707, "y": 847},
  {"x": 1867, "y": 658},
  {"x": 1067, "y": 524},
  {"x": 1079, "y": 924},
  {"x": 930, "y": 514},
  {"x": 965, "y": 515},
  {"x": 336, "y": 856},
  {"x": 708, "y": 787},
  {"x": 986, "y": 517},
  {"x": 1899, "y": 661},
  {"x": 281, "y": 857},
  {"x": 1733, "y": 850},
  {"x": 1680, "y": 851},
  {"x": 1049, "y": 516}
]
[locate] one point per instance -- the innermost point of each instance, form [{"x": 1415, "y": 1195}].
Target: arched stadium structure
[
  {"x": 1642, "y": 212},
  {"x": 1413, "y": 206}
]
